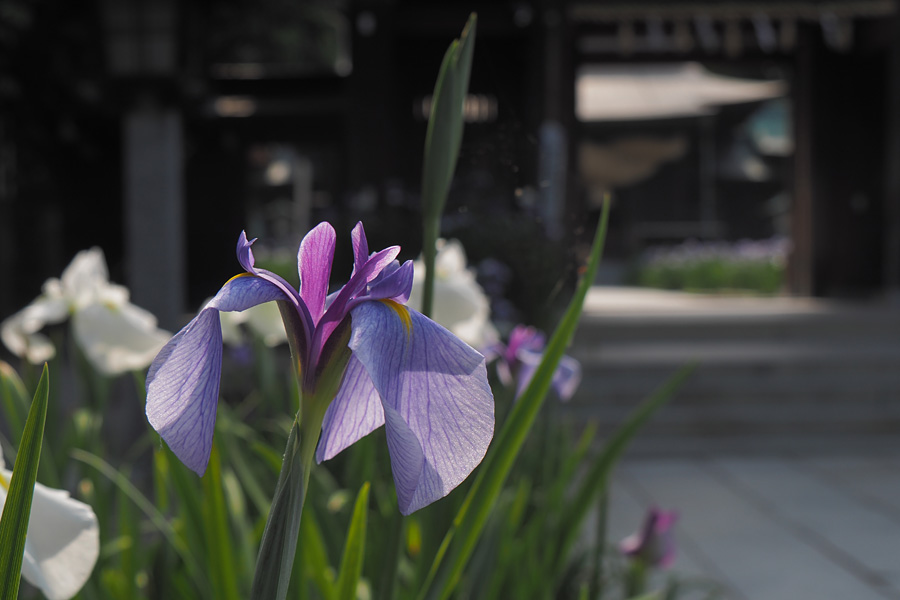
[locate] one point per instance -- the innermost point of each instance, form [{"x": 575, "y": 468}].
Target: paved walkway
[
  {"x": 775, "y": 528},
  {"x": 822, "y": 524}
]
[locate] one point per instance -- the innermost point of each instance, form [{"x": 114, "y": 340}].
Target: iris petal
[
  {"x": 314, "y": 260},
  {"x": 360, "y": 246},
  {"x": 183, "y": 391},
  {"x": 245, "y": 253},
  {"x": 439, "y": 410},
  {"x": 183, "y": 381},
  {"x": 353, "y": 414},
  {"x": 566, "y": 378},
  {"x": 395, "y": 283},
  {"x": 341, "y": 304}
]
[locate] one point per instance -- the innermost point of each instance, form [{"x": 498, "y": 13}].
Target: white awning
[{"x": 639, "y": 92}]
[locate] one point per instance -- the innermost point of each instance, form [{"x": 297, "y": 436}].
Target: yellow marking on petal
[
  {"x": 4, "y": 482},
  {"x": 244, "y": 274},
  {"x": 402, "y": 312}
]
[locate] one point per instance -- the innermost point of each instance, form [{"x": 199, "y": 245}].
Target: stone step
[
  {"x": 784, "y": 369},
  {"x": 617, "y": 314},
  {"x": 596, "y": 330}
]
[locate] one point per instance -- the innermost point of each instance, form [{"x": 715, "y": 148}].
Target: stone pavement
[
  {"x": 787, "y": 479},
  {"x": 774, "y": 528}
]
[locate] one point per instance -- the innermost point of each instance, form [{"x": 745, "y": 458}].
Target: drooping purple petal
[
  {"x": 314, "y": 262},
  {"x": 523, "y": 337},
  {"x": 566, "y": 378},
  {"x": 183, "y": 381},
  {"x": 183, "y": 390},
  {"x": 655, "y": 542},
  {"x": 353, "y": 414},
  {"x": 439, "y": 410}
]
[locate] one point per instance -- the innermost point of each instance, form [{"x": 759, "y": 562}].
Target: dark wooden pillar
[
  {"x": 839, "y": 194},
  {"x": 800, "y": 268},
  {"x": 892, "y": 168}
]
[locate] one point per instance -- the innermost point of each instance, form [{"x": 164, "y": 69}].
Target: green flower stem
[
  {"x": 278, "y": 547},
  {"x": 279, "y": 541},
  {"x": 429, "y": 254},
  {"x": 636, "y": 579}
]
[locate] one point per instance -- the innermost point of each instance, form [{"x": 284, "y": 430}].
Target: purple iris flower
[
  {"x": 518, "y": 360},
  {"x": 363, "y": 360},
  {"x": 654, "y": 544}
]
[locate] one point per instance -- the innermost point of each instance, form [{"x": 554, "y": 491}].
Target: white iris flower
[
  {"x": 115, "y": 335},
  {"x": 63, "y": 540},
  {"x": 460, "y": 304}
]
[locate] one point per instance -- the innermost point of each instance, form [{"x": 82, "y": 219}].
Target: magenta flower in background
[
  {"x": 654, "y": 544},
  {"x": 517, "y": 361},
  {"x": 393, "y": 366}
]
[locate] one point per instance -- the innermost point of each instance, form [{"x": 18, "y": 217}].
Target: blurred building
[{"x": 160, "y": 129}]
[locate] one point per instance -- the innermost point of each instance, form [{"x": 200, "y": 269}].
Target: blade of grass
[
  {"x": 597, "y": 478},
  {"x": 17, "y": 510},
  {"x": 141, "y": 501},
  {"x": 218, "y": 539},
  {"x": 354, "y": 549},
  {"x": 463, "y": 535},
  {"x": 314, "y": 556}
]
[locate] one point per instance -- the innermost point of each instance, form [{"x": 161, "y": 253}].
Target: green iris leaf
[{"x": 17, "y": 511}]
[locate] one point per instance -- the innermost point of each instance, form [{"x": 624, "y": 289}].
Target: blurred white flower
[
  {"x": 460, "y": 304},
  {"x": 115, "y": 335},
  {"x": 63, "y": 540},
  {"x": 263, "y": 320}
]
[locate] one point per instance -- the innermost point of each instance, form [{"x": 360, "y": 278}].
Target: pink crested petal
[{"x": 314, "y": 262}]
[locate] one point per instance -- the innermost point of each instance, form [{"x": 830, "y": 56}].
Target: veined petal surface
[
  {"x": 314, "y": 262},
  {"x": 360, "y": 246},
  {"x": 439, "y": 410},
  {"x": 183, "y": 381},
  {"x": 353, "y": 414}
]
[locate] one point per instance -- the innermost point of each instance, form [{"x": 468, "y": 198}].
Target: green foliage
[
  {"x": 747, "y": 266},
  {"x": 279, "y": 541},
  {"x": 461, "y": 539},
  {"x": 17, "y": 510},
  {"x": 354, "y": 549},
  {"x": 510, "y": 531},
  {"x": 714, "y": 275},
  {"x": 442, "y": 143}
]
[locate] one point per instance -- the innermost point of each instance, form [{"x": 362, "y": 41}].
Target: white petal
[
  {"x": 62, "y": 544},
  {"x": 461, "y": 306},
  {"x": 450, "y": 259},
  {"x": 44, "y": 310},
  {"x": 118, "y": 339},
  {"x": 265, "y": 320},
  {"x": 85, "y": 276},
  {"x": 18, "y": 333},
  {"x": 231, "y": 330}
]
